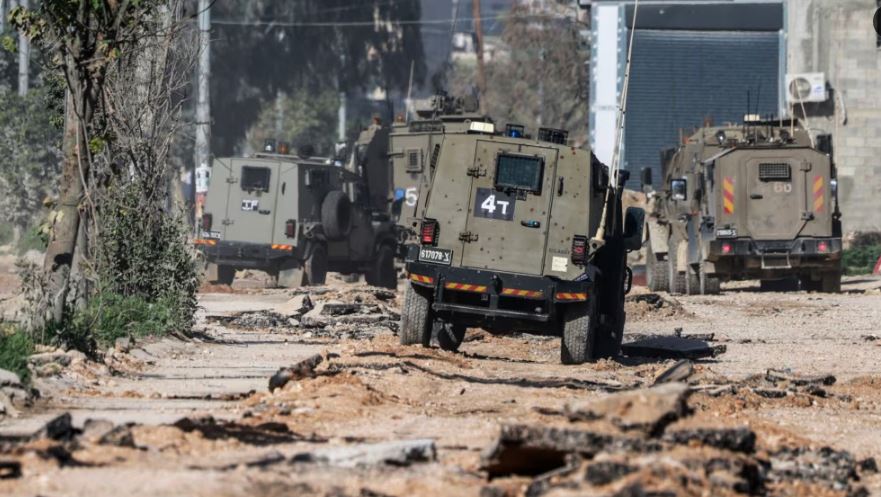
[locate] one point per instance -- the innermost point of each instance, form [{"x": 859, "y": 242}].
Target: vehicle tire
[
  {"x": 382, "y": 272},
  {"x": 657, "y": 274},
  {"x": 316, "y": 266},
  {"x": 226, "y": 275},
  {"x": 578, "y": 344},
  {"x": 336, "y": 215},
  {"x": 449, "y": 335},
  {"x": 709, "y": 285},
  {"x": 675, "y": 278},
  {"x": 831, "y": 282},
  {"x": 416, "y": 317}
]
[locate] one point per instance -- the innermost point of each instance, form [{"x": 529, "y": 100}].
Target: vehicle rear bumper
[
  {"x": 484, "y": 298},
  {"x": 244, "y": 254},
  {"x": 774, "y": 257},
  {"x": 804, "y": 247}
]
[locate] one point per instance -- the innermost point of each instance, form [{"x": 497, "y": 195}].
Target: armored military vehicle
[
  {"x": 520, "y": 234},
  {"x": 751, "y": 201},
  {"x": 295, "y": 218},
  {"x": 414, "y": 148}
]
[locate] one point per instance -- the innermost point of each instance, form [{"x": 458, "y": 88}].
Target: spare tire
[{"x": 336, "y": 215}]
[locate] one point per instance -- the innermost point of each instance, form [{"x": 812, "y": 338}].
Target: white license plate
[
  {"x": 436, "y": 256},
  {"x": 726, "y": 233}
]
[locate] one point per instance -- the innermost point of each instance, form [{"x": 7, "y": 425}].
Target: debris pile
[
  {"x": 646, "y": 442},
  {"x": 652, "y": 306},
  {"x": 323, "y": 313}
]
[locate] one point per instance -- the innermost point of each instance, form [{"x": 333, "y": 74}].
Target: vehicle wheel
[
  {"x": 578, "y": 344},
  {"x": 709, "y": 285},
  {"x": 336, "y": 215},
  {"x": 416, "y": 317},
  {"x": 449, "y": 335},
  {"x": 657, "y": 274},
  {"x": 831, "y": 282},
  {"x": 675, "y": 279},
  {"x": 291, "y": 278},
  {"x": 382, "y": 273},
  {"x": 226, "y": 275},
  {"x": 316, "y": 266}
]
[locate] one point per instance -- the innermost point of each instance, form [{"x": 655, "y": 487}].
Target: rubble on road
[
  {"x": 653, "y": 306},
  {"x": 14, "y": 396},
  {"x": 302, "y": 369},
  {"x": 643, "y": 443},
  {"x": 325, "y": 314},
  {"x": 647, "y": 410},
  {"x": 396, "y": 453}
]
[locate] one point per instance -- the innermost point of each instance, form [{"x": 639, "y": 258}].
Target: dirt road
[{"x": 374, "y": 418}]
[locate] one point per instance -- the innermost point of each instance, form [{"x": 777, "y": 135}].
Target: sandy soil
[{"x": 370, "y": 389}]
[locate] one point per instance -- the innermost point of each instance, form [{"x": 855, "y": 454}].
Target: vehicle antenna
[{"x": 599, "y": 238}]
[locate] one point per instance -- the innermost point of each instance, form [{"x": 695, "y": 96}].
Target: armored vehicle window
[
  {"x": 679, "y": 189},
  {"x": 519, "y": 173},
  {"x": 774, "y": 172},
  {"x": 255, "y": 178}
]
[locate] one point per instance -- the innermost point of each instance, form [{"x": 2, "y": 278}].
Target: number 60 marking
[{"x": 782, "y": 187}]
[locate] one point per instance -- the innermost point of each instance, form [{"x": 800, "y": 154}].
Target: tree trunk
[{"x": 63, "y": 236}]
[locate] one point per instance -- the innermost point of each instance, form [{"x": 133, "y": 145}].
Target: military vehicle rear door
[
  {"x": 507, "y": 222},
  {"x": 253, "y": 190},
  {"x": 775, "y": 194}
]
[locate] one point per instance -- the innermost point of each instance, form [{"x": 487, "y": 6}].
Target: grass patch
[
  {"x": 861, "y": 260},
  {"x": 113, "y": 316},
  {"x": 15, "y": 347}
]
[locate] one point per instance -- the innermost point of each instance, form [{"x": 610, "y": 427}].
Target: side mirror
[
  {"x": 679, "y": 189},
  {"x": 646, "y": 177},
  {"x": 634, "y": 224}
]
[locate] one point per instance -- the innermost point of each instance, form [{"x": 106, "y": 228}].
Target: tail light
[
  {"x": 290, "y": 228},
  {"x": 428, "y": 233},
  {"x": 726, "y": 248},
  {"x": 207, "y": 221},
  {"x": 823, "y": 247},
  {"x": 579, "y": 249}
]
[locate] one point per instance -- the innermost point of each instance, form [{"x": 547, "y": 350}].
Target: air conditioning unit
[{"x": 806, "y": 87}]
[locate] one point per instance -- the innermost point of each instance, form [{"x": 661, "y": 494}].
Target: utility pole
[
  {"x": 24, "y": 55},
  {"x": 203, "y": 102},
  {"x": 478, "y": 48}
]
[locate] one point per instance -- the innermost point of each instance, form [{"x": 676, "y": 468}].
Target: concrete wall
[{"x": 836, "y": 37}]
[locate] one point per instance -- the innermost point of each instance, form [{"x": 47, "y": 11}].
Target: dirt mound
[{"x": 651, "y": 306}]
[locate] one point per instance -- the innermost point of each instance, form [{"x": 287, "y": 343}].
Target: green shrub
[
  {"x": 861, "y": 259},
  {"x": 15, "y": 347}
]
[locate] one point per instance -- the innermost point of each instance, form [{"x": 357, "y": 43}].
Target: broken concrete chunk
[
  {"x": 57, "y": 357},
  {"x": 680, "y": 371},
  {"x": 57, "y": 428},
  {"x": 10, "y": 470},
  {"x": 297, "y": 306},
  {"x": 778, "y": 376},
  {"x": 123, "y": 344},
  {"x": 534, "y": 450},
  {"x": 671, "y": 347},
  {"x": 300, "y": 370},
  {"x": 605, "y": 472},
  {"x": 733, "y": 439},
  {"x": 397, "y": 453},
  {"x": 648, "y": 410},
  {"x": 9, "y": 379},
  {"x": 315, "y": 318}
]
